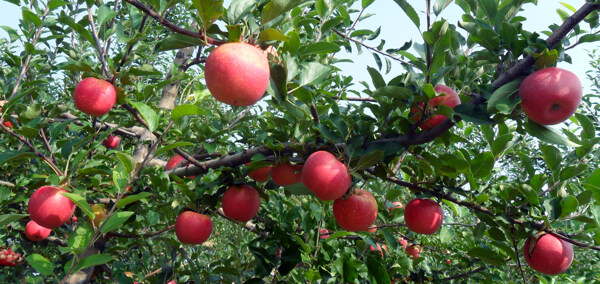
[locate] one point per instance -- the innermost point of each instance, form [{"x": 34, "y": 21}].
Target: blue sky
[{"x": 396, "y": 29}]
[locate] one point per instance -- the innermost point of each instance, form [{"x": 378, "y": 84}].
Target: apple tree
[{"x": 229, "y": 141}]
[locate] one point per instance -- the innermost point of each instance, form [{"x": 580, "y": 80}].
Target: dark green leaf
[
  {"x": 502, "y": 93},
  {"x": 482, "y": 165},
  {"x": 376, "y": 77},
  {"x": 187, "y": 109},
  {"x": 9, "y": 218},
  {"x": 473, "y": 113},
  {"x": 41, "y": 264},
  {"x": 116, "y": 220},
  {"x": 321, "y": 47},
  {"x": 94, "y": 260},
  {"x": 209, "y": 11},
  {"x": 369, "y": 160},
  {"x": 568, "y": 205},
  {"x": 81, "y": 203},
  {"x": 548, "y": 134},
  {"x": 410, "y": 12},
  {"x": 238, "y": 9},
  {"x": 487, "y": 255},
  {"x": 172, "y": 146},
  {"x": 377, "y": 270}
]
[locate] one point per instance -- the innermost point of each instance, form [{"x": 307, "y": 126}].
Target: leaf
[
  {"x": 376, "y": 77},
  {"x": 321, "y": 47},
  {"x": 277, "y": 8},
  {"x": 377, "y": 270},
  {"x": 8, "y": 156},
  {"x": 302, "y": 244},
  {"x": 410, "y": 12},
  {"x": 503, "y": 92},
  {"x": 482, "y": 165},
  {"x": 104, "y": 14},
  {"x": 369, "y": 160},
  {"x": 546, "y": 59},
  {"x": 64, "y": 19},
  {"x": 177, "y": 41},
  {"x": 40, "y": 263},
  {"x": 53, "y": 4},
  {"x": 273, "y": 34},
  {"x": 487, "y": 255},
  {"x": 79, "y": 239},
  {"x": 144, "y": 70},
  {"x": 172, "y": 146},
  {"x": 473, "y": 113},
  {"x": 530, "y": 194},
  {"x": 548, "y": 134},
  {"x": 552, "y": 156},
  {"x": 93, "y": 260},
  {"x": 9, "y": 218},
  {"x": 148, "y": 114},
  {"x": 188, "y": 109},
  {"x": 440, "y": 5},
  {"x": 238, "y": 9},
  {"x": 394, "y": 92},
  {"x": 209, "y": 11},
  {"x": 81, "y": 203},
  {"x": 568, "y": 205},
  {"x": 132, "y": 198},
  {"x": 313, "y": 72},
  {"x": 115, "y": 221},
  {"x": 338, "y": 234}
]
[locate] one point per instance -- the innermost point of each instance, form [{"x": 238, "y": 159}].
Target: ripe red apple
[
  {"x": 112, "y": 142},
  {"x": 448, "y": 261},
  {"x": 324, "y": 233},
  {"x": 423, "y": 216},
  {"x": 413, "y": 250},
  {"x": 9, "y": 258},
  {"x": 286, "y": 174},
  {"x": 193, "y": 228},
  {"x": 260, "y": 175},
  {"x": 550, "y": 255},
  {"x": 550, "y": 95},
  {"x": 49, "y": 208},
  {"x": 7, "y": 123},
  {"x": 357, "y": 212},
  {"x": 241, "y": 203},
  {"x": 325, "y": 176},
  {"x": 450, "y": 99},
  {"x": 94, "y": 96},
  {"x": 35, "y": 232},
  {"x": 397, "y": 205},
  {"x": 174, "y": 161},
  {"x": 172, "y": 282},
  {"x": 237, "y": 73},
  {"x": 372, "y": 230},
  {"x": 379, "y": 249},
  {"x": 403, "y": 242}
]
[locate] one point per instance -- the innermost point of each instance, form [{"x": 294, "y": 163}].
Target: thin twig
[
  {"x": 372, "y": 48},
  {"x": 514, "y": 241},
  {"x": 99, "y": 48}
]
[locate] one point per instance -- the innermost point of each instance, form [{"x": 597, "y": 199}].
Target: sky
[{"x": 396, "y": 29}]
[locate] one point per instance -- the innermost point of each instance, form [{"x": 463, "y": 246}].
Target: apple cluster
[{"x": 9, "y": 257}]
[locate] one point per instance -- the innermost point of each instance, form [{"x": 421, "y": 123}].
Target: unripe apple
[
  {"x": 112, "y": 142},
  {"x": 260, "y": 175},
  {"x": 193, "y": 228},
  {"x": 324, "y": 233},
  {"x": 550, "y": 95},
  {"x": 237, "y": 73},
  {"x": 357, "y": 212},
  {"x": 450, "y": 99},
  {"x": 35, "y": 233},
  {"x": 379, "y": 249},
  {"x": 550, "y": 255},
  {"x": 241, "y": 203},
  {"x": 49, "y": 208},
  {"x": 325, "y": 176},
  {"x": 396, "y": 205},
  {"x": 286, "y": 174},
  {"x": 423, "y": 216},
  {"x": 99, "y": 214},
  {"x": 94, "y": 96},
  {"x": 413, "y": 250}
]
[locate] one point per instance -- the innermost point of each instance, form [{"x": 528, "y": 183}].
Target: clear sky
[{"x": 396, "y": 29}]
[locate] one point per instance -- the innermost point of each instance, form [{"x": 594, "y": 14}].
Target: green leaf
[
  {"x": 128, "y": 161},
  {"x": 81, "y": 203},
  {"x": 552, "y": 156},
  {"x": 473, "y": 113},
  {"x": 338, "y": 234},
  {"x": 148, "y": 114},
  {"x": 321, "y": 47},
  {"x": 53, "y": 4},
  {"x": 298, "y": 189},
  {"x": 377, "y": 270},
  {"x": 302, "y": 244},
  {"x": 79, "y": 239},
  {"x": 410, "y": 12},
  {"x": 79, "y": 29},
  {"x": 530, "y": 194},
  {"x": 548, "y": 134},
  {"x": 503, "y": 93},
  {"x": 172, "y": 146},
  {"x": 104, "y": 14},
  {"x": 9, "y": 218},
  {"x": 94, "y": 260},
  {"x": 132, "y": 198},
  {"x": 546, "y": 59},
  {"x": 482, "y": 165},
  {"x": 572, "y": 171},
  {"x": 40, "y": 263},
  {"x": 9, "y": 156},
  {"x": 394, "y": 92},
  {"x": 487, "y": 255},
  {"x": 187, "y": 109},
  {"x": 144, "y": 70},
  {"x": 273, "y": 34},
  {"x": 501, "y": 143},
  {"x": 589, "y": 131},
  {"x": 313, "y": 73},
  {"x": 277, "y": 8},
  {"x": 177, "y": 41},
  {"x": 440, "y": 5},
  {"x": 238, "y": 9},
  {"x": 568, "y": 205},
  {"x": 369, "y": 160},
  {"x": 209, "y": 11},
  {"x": 116, "y": 220},
  {"x": 378, "y": 81}
]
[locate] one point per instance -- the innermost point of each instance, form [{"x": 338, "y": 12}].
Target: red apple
[
  {"x": 423, "y": 216},
  {"x": 550, "y": 255},
  {"x": 324, "y": 233},
  {"x": 49, "y": 208},
  {"x": 241, "y": 203},
  {"x": 260, "y": 175},
  {"x": 7, "y": 124},
  {"x": 237, "y": 73},
  {"x": 450, "y": 99},
  {"x": 413, "y": 250},
  {"x": 35, "y": 232},
  {"x": 286, "y": 174},
  {"x": 174, "y": 161},
  {"x": 403, "y": 242},
  {"x": 325, "y": 176},
  {"x": 357, "y": 212},
  {"x": 94, "y": 96},
  {"x": 193, "y": 228},
  {"x": 379, "y": 249},
  {"x": 448, "y": 261},
  {"x": 112, "y": 142},
  {"x": 9, "y": 258},
  {"x": 550, "y": 95},
  {"x": 172, "y": 282},
  {"x": 396, "y": 205},
  {"x": 372, "y": 230}
]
